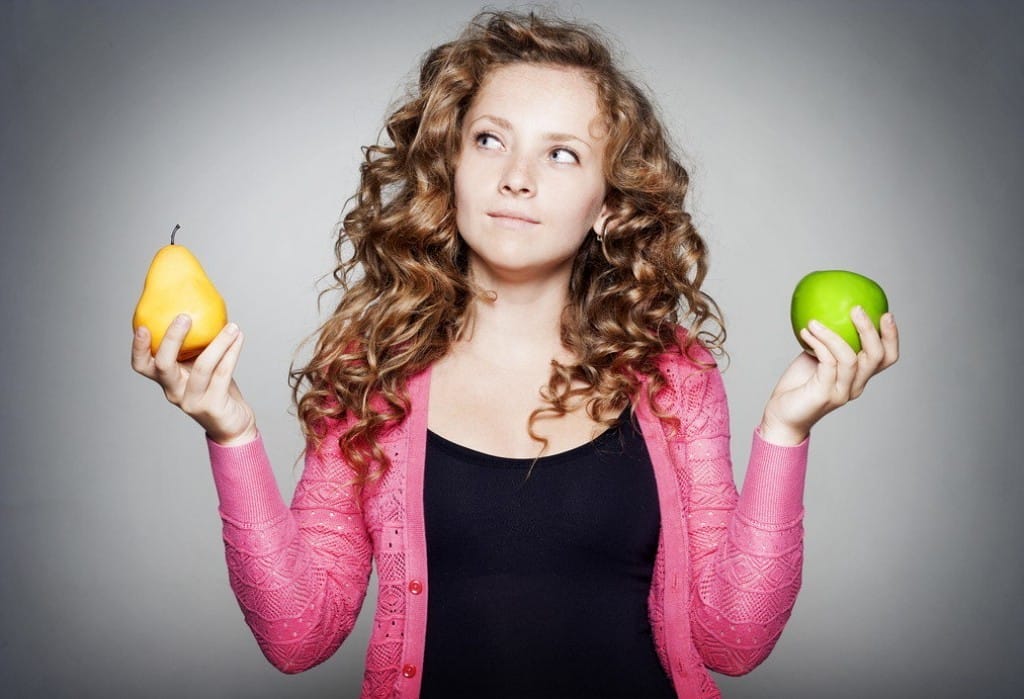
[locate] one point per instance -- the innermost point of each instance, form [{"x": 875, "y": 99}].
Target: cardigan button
[
  {"x": 409, "y": 671},
  {"x": 415, "y": 587}
]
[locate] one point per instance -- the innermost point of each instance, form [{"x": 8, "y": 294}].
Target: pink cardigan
[{"x": 726, "y": 574}]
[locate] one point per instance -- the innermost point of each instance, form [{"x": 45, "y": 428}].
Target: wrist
[
  {"x": 781, "y": 434},
  {"x": 237, "y": 440}
]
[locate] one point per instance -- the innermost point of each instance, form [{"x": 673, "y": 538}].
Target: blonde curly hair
[{"x": 629, "y": 291}]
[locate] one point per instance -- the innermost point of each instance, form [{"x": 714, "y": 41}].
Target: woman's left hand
[{"x": 812, "y": 387}]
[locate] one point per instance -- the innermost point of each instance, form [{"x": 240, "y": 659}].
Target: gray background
[{"x": 882, "y": 137}]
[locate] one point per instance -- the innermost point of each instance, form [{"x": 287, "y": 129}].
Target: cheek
[
  {"x": 458, "y": 189},
  {"x": 464, "y": 177},
  {"x": 580, "y": 193},
  {"x": 463, "y": 199},
  {"x": 591, "y": 207}
]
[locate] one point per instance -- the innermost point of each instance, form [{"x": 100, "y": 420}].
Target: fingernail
[
  {"x": 815, "y": 325},
  {"x": 859, "y": 311},
  {"x": 141, "y": 331},
  {"x": 890, "y": 319},
  {"x": 181, "y": 319},
  {"x": 231, "y": 329}
]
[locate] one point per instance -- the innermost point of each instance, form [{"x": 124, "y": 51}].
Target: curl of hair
[{"x": 629, "y": 291}]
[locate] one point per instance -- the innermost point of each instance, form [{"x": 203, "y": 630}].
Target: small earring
[{"x": 599, "y": 236}]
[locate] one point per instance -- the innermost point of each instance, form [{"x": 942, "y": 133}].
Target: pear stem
[{"x": 176, "y": 227}]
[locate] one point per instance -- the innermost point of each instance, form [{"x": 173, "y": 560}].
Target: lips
[{"x": 512, "y": 215}]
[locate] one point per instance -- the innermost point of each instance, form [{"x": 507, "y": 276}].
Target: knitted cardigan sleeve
[
  {"x": 746, "y": 550},
  {"x": 300, "y": 574}
]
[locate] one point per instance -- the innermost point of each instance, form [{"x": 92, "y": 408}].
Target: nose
[{"x": 517, "y": 178}]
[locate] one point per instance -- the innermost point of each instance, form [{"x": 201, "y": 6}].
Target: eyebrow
[{"x": 506, "y": 124}]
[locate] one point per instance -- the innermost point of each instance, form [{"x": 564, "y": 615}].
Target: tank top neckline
[{"x": 459, "y": 450}]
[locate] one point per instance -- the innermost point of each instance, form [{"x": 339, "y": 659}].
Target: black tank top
[{"x": 539, "y": 586}]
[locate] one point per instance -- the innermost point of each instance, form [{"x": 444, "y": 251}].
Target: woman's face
[{"x": 532, "y": 147}]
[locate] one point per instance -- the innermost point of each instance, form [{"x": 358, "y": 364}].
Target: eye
[
  {"x": 484, "y": 135},
  {"x": 575, "y": 158}
]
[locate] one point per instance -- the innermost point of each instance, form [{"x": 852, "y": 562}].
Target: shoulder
[
  {"x": 691, "y": 381},
  {"x": 686, "y": 358}
]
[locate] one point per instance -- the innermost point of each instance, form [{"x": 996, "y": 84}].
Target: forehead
[{"x": 551, "y": 98}]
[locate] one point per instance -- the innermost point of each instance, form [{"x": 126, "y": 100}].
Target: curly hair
[{"x": 629, "y": 291}]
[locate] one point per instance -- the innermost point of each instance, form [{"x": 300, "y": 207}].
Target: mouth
[{"x": 512, "y": 219}]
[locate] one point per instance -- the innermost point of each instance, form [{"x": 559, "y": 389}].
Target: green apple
[{"x": 828, "y": 296}]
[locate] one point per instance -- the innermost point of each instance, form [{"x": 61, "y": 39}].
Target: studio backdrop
[{"x": 880, "y": 137}]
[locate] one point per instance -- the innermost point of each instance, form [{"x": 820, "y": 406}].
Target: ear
[{"x": 602, "y": 219}]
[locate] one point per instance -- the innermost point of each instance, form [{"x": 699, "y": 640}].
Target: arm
[
  {"x": 299, "y": 574},
  {"x": 746, "y": 550}
]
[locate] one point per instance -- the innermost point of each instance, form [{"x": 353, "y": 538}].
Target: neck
[{"x": 521, "y": 326}]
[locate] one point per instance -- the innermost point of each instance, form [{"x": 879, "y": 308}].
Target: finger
[
  {"x": 206, "y": 363},
  {"x": 817, "y": 345},
  {"x": 167, "y": 353},
  {"x": 142, "y": 358},
  {"x": 169, "y": 373},
  {"x": 846, "y": 364},
  {"x": 220, "y": 382},
  {"x": 890, "y": 341},
  {"x": 843, "y": 364},
  {"x": 870, "y": 342},
  {"x": 825, "y": 372},
  {"x": 838, "y": 347},
  {"x": 871, "y": 355}
]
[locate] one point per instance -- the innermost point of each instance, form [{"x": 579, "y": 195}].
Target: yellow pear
[{"x": 176, "y": 283}]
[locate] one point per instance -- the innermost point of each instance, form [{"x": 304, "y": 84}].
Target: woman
[{"x": 524, "y": 228}]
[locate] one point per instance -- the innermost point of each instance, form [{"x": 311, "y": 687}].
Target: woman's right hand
[{"x": 202, "y": 387}]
